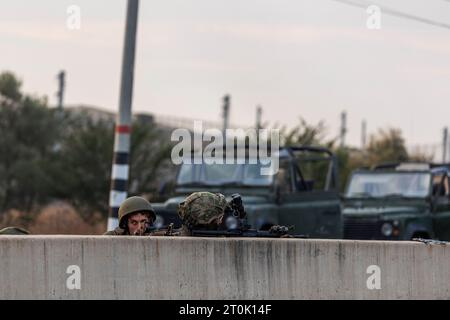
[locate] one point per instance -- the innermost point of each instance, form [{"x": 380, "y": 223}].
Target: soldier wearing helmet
[
  {"x": 199, "y": 211},
  {"x": 135, "y": 216},
  {"x": 202, "y": 210},
  {"x": 14, "y": 231}
]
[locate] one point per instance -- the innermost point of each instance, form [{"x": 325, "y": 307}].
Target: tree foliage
[
  {"x": 28, "y": 131},
  {"x": 387, "y": 146},
  {"x": 48, "y": 154},
  {"x": 306, "y": 134}
]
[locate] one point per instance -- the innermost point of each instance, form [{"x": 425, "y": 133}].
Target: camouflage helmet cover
[
  {"x": 13, "y": 231},
  {"x": 134, "y": 205},
  {"x": 202, "y": 209}
]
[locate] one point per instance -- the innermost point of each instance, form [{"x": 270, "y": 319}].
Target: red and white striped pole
[{"x": 120, "y": 167}]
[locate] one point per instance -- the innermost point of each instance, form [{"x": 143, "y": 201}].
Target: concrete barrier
[{"x": 38, "y": 267}]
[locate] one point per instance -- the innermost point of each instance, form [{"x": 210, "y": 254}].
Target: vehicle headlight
[
  {"x": 231, "y": 223},
  {"x": 159, "y": 222},
  {"x": 386, "y": 229}
]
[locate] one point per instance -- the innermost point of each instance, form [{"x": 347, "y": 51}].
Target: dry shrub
[{"x": 62, "y": 218}]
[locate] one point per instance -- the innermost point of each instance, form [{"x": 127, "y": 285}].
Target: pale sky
[{"x": 310, "y": 58}]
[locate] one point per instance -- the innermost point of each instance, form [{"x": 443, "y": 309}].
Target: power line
[{"x": 397, "y": 13}]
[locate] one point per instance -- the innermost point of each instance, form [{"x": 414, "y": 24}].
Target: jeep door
[
  {"x": 441, "y": 206},
  {"x": 316, "y": 214},
  {"x": 309, "y": 199}
]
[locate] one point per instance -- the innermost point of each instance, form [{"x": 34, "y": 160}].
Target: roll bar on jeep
[{"x": 332, "y": 173}]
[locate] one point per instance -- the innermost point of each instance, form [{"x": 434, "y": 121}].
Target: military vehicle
[
  {"x": 303, "y": 193},
  {"x": 398, "y": 201}
]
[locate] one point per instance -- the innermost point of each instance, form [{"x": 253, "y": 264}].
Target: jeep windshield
[
  {"x": 223, "y": 175},
  {"x": 389, "y": 184}
]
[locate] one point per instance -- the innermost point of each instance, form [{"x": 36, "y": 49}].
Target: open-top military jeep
[
  {"x": 398, "y": 201},
  {"x": 303, "y": 193}
]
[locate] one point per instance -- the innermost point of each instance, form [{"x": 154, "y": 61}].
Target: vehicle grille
[{"x": 362, "y": 229}]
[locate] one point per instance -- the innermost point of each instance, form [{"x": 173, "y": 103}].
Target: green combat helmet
[
  {"x": 13, "y": 231},
  {"x": 203, "y": 210},
  {"x": 134, "y": 205}
]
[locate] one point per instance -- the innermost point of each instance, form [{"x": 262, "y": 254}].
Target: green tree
[
  {"x": 82, "y": 166},
  {"x": 28, "y": 131},
  {"x": 47, "y": 154},
  {"x": 83, "y": 171},
  {"x": 10, "y": 86}
]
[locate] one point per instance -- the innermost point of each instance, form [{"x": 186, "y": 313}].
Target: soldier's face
[{"x": 137, "y": 223}]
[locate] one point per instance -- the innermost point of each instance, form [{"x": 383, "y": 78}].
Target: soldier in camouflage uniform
[
  {"x": 201, "y": 211},
  {"x": 14, "y": 231},
  {"x": 135, "y": 216}
]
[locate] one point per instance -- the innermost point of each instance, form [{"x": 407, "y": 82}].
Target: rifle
[
  {"x": 234, "y": 224},
  {"x": 273, "y": 232}
]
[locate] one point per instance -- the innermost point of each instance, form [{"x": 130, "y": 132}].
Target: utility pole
[
  {"x": 61, "y": 88},
  {"x": 258, "y": 117},
  {"x": 120, "y": 167},
  {"x": 363, "y": 134},
  {"x": 226, "y": 113},
  {"x": 343, "y": 128},
  {"x": 444, "y": 145}
]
